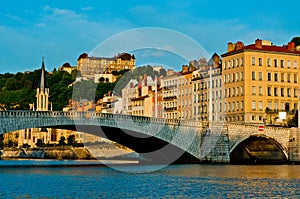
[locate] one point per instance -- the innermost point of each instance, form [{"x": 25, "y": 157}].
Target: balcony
[
  {"x": 170, "y": 109},
  {"x": 170, "y": 98}
]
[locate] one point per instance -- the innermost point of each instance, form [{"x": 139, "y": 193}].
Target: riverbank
[{"x": 56, "y": 152}]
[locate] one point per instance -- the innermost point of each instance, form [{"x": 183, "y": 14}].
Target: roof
[{"x": 267, "y": 48}]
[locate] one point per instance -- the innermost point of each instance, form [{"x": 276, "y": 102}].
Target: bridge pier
[{"x": 294, "y": 146}]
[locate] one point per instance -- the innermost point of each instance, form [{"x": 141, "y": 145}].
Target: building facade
[
  {"x": 260, "y": 81},
  {"x": 207, "y": 91},
  {"x": 88, "y": 66}
]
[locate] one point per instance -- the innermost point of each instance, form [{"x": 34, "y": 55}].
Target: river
[{"x": 90, "y": 179}]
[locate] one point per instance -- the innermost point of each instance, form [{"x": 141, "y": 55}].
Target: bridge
[{"x": 165, "y": 141}]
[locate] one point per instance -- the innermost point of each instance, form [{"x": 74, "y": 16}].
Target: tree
[
  {"x": 1, "y": 141},
  {"x": 39, "y": 143},
  {"x": 296, "y": 40},
  {"x": 71, "y": 140},
  {"x": 294, "y": 121},
  {"x": 62, "y": 141}
]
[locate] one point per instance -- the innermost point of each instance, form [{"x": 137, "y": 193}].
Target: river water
[{"x": 86, "y": 179}]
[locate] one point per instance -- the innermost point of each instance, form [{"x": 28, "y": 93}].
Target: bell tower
[{"x": 42, "y": 91}]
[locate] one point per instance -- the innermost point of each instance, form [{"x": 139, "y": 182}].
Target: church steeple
[
  {"x": 42, "y": 91},
  {"x": 42, "y": 84}
]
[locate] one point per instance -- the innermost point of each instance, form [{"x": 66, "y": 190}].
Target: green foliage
[
  {"x": 296, "y": 40},
  {"x": 1, "y": 141},
  {"x": 293, "y": 122},
  {"x": 71, "y": 140},
  {"x": 62, "y": 141},
  {"x": 39, "y": 143}
]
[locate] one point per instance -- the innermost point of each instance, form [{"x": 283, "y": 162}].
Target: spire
[{"x": 42, "y": 81}]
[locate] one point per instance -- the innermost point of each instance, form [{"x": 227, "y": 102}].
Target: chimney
[
  {"x": 291, "y": 46},
  {"x": 145, "y": 79},
  {"x": 230, "y": 47},
  {"x": 258, "y": 43},
  {"x": 239, "y": 45},
  {"x": 131, "y": 84}
]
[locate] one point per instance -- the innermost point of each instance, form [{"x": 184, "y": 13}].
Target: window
[
  {"x": 269, "y": 62},
  {"x": 233, "y": 63},
  {"x": 253, "y": 75},
  {"x": 282, "y": 92},
  {"x": 242, "y": 105},
  {"x": 288, "y": 63},
  {"x": 225, "y": 107},
  {"x": 269, "y": 91},
  {"x": 253, "y": 105},
  {"x": 269, "y": 76},
  {"x": 237, "y": 76},
  {"x": 269, "y": 104},
  {"x": 237, "y": 106},
  {"x": 225, "y": 65},
  {"x": 260, "y": 105},
  {"x": 276, "y": 106},
  {"x": 237, "y": 91},
  {"x": 229, "y": 64},
  {"x": 260, "y": 90},
  {"x": 295, "y": 92},
  {"x": 295, "y": 78},
  {"x": 282, "y": 77},
  {"x": 275, "y": 77},
  {"x": 253, "y": 61},
  {"x": 253, "y": 90},
  {"x": 281, "y": 63},
  {"x": 295, "y": 64},
  {"x": 289, "y": 92},
  {"x": 242, "y": 61},
  {"x": 275, "y": 62},
  {"x": 275, "y": 92},
  {"x": 260, "y": 61},
  {"x": 260, "y": 76},
  {"x": 242, "y": 75},
  {"x": 282, "y": 106},
  {"x": 242, "y": 90},
  {"x": 288, "y": 77}
]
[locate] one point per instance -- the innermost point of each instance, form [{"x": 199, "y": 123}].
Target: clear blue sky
[{"x": 62, "y": 30}]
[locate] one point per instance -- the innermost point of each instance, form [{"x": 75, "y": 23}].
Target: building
[
  {"x": 140, "y": 97},
  {"x": 67, "y": 67},
  {"x": 89, "y": 66},
  {"x": 185, "y": 92},
  {"x": 260, "y": 81},
  {"x": 207, "y": 90},
  {"x": 170, "y": 96},
  {"x": 42, "y": 92}
]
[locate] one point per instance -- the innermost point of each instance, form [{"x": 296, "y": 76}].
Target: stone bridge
[{"x": 164, "y": 140}]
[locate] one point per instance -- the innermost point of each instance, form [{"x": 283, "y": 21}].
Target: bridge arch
[
  {"x": 258, "y": 149},
  {"x": 153, "y": 149}
]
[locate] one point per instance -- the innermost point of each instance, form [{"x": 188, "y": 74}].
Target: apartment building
[
  {"x": 207, "y": 90},
  {"x": 170, "y": 95},
  {"x": 260, "y": 81}
]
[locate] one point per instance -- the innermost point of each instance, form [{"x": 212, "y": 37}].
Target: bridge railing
[{"x": 88, "y": 115}]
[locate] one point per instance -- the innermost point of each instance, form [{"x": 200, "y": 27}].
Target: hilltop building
[
  {"x": 260, "y": 81},
  {"x": 89, "y": 66}
]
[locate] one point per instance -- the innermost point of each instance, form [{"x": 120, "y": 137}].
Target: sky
[{"x": 62, "y": 30}]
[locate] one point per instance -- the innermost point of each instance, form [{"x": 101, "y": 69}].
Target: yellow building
[
  {"x": 88, "y": 66},
  {"x": 170, "y": 96},
  {"x": 260, "y": 80},
  {"x": 185, "y": 94}
]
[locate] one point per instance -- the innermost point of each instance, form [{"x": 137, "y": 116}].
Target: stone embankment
[{"x": 59, "y": 152}]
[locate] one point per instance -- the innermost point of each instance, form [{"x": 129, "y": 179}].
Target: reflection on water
[{"x": 175, "y": 181}]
